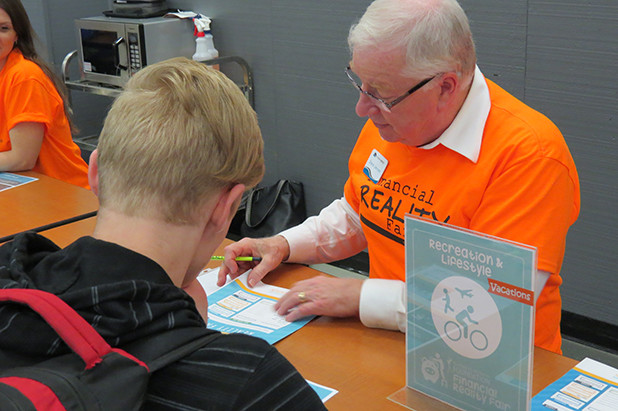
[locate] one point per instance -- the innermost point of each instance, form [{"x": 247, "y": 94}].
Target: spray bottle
[{"x": 204, "y": 44}]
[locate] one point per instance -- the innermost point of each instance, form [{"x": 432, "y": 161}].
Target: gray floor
[{"x": 570, "y": 348}]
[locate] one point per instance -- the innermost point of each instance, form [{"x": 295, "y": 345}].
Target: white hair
[{"x": 434, "y": 35}]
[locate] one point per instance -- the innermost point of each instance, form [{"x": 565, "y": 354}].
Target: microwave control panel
[{"x": 135, "y": 49}]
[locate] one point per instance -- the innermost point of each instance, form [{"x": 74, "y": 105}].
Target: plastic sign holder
[{"x": 470, "y": 313}]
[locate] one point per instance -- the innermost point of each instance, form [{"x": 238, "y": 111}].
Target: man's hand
[
  {"x": 335, "y": 297},
  {"x": 272, "y": 251}
]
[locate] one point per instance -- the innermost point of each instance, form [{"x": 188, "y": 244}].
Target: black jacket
[{"x": 128, "y": 298}]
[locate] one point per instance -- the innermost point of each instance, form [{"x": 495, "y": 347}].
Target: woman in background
[{"x": 35, "y": 132}]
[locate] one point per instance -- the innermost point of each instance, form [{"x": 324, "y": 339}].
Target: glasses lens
[{"x": 358, "y": 83}]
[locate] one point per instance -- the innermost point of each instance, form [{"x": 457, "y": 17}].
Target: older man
[{"x": 446, "y": 144}]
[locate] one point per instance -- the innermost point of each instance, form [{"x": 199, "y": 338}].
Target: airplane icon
[{"x": 464, "y": 293}]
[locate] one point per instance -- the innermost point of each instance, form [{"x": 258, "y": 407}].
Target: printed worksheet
[
  {"x": 10, "y": 180},
  {"x": 589, "y": 386},
  {"x": 236, "y": 308}
]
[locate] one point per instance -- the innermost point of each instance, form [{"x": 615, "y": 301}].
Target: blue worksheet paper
[
  {"x": 325, "y": 393},
  {"x": 470, "y": 317},
  {"x": 10, "y": 180},
  {"x": 589, "y": 386},
  {"x": 236, "y": 308}
]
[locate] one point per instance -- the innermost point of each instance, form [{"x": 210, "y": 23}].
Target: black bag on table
[{"x": 266, "y": 211}]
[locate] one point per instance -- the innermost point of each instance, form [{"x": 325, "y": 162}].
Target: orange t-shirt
[
  {"x": 524, "y": 187},
  {"x": 28, "y": 95}
]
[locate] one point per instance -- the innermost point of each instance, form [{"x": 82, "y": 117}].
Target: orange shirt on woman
[{"x": 28, "y": 95}]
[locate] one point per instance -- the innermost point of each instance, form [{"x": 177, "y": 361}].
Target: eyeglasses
[{"x": 386, "y": 106}]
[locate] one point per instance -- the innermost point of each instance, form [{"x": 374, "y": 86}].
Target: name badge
[{"x": 375, "y": 166}]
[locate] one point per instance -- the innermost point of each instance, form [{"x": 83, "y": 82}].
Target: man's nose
[{"x": 366, "y": 106}]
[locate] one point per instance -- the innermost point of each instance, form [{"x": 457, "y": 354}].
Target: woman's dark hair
[{"x": 25, "y": 43}]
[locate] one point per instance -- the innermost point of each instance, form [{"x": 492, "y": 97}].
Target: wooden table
[
  {"x": 67, "y": 233},
  {"x": 42, "y": 202},
  {"x": 366, "y": 365}
]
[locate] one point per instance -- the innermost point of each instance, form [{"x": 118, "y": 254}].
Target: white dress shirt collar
[{"x": 465, "y": 134}]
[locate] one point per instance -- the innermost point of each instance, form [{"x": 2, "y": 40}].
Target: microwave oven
[{"x": 112, "y": 49}]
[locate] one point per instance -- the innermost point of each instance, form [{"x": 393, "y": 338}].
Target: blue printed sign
[{"x": 470, "y": 317}]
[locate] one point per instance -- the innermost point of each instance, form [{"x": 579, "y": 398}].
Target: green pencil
[{"x": 220, "y": 257}]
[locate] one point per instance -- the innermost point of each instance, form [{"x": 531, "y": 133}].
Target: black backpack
[{"x": 94, "y": 376}]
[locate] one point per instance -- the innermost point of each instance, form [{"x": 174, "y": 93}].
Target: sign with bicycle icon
[{"x": 470, "y": 317}]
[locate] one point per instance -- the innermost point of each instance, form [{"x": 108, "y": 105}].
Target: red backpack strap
[{"x": 84, "y": 340}]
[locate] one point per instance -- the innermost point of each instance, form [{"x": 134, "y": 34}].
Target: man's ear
[
  {"x": 93, "y": 172},
  {"x": 448, "y": 87},
  {"x": 226, "y": 206}
]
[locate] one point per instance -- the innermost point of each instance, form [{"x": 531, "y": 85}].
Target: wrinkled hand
[
  {"x": 335, "y": 297},
  {"x": 272, "y": 250}
]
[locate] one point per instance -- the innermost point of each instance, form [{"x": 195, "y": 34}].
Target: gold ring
[{"x": 302, "y": 296}]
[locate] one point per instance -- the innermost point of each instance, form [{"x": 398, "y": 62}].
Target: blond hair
[{"x": 179, "y": 132}]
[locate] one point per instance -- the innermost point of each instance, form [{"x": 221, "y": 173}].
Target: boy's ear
[
  {"x": 226, "y": 206},
  {"x": 93, "y": 172}
]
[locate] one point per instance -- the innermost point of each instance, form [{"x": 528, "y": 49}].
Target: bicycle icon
[
  {"x": 477, "y": 338},
  {"x": 466, "y": 317}
]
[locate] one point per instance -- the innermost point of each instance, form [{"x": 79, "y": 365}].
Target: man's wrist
[{"x": 282, "y": 245}]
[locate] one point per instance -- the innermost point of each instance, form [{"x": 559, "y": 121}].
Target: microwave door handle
[{"x": 116, "y": 46}]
